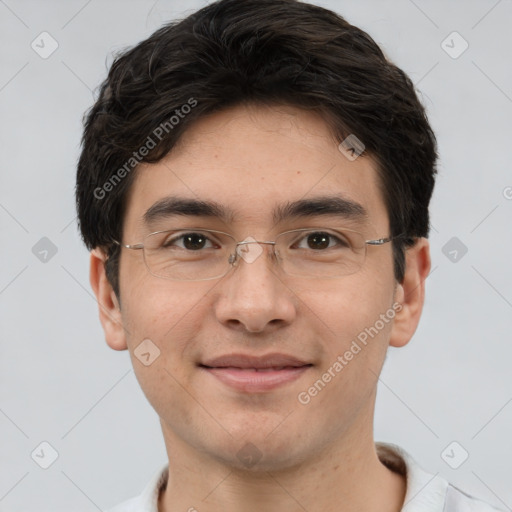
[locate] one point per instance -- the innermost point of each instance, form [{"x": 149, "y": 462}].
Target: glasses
[{"x": 196, "y": 254}]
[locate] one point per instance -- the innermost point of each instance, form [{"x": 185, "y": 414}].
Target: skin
[{"x": 315, "y": 457}]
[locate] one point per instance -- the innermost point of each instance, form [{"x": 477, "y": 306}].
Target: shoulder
[
  {"x": 147, "y": 501},
  {"x": 459, "y": 501},
  {"x": 127, "y": 506},
  {"x": 427, "y": 492}
]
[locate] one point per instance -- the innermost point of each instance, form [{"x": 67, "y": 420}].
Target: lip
[
  {"x": 255, "y": 374},
  {"x": 246, "y": 361}
]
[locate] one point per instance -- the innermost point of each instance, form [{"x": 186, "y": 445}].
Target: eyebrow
[{"x": 337, "y": 206}]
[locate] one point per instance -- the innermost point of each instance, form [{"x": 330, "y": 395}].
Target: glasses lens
[
  {"x": 188, "y": 254},
  {"x": 197, "y": 254},
  {"x": 320, "y": 252}
]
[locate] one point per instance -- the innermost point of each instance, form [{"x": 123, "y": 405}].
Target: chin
[{"x": 258, "y": 452}]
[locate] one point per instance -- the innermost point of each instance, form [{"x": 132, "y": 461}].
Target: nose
[{"x": 253, "y": 296}]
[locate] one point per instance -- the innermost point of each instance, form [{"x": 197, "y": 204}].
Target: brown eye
[
  {"x": 320, "y": 240},
  {"x": 189, "y": 241},
  {"x": 194, "y": 241}
]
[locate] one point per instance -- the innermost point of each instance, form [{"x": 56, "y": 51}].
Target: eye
[
  {"x": 320, "y": 240},
  {"x": 189, "y": 241}
]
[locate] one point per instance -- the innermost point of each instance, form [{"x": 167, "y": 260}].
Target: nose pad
[{"x": 249, "y": 250}]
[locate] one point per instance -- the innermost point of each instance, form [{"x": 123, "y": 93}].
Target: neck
[{"x": 348, "y": 477}]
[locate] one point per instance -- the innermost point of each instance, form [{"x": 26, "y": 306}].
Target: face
[{"x": 250, "y": 161}]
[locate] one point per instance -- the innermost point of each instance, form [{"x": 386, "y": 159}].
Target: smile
[{"x": 255, "y": 374}]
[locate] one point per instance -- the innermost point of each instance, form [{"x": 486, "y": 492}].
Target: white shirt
[{"x": 425, "y": 492}]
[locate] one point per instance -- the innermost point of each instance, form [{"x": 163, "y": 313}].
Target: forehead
[{"x": 256, "y": 165}]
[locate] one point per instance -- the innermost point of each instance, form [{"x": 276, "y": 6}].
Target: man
[{"x": 254, "y": 187}]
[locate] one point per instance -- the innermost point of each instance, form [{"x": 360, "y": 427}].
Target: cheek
[
  {"x": 170, "y": 315},
  {"x": 349, "y": 325},
  {"x": 354, "y": 341},
  {"x": 346, "y": 306},
  {"x": 156, "y": 308}
]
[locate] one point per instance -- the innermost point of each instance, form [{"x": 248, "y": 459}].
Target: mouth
[{"x": 252, "y": 374}]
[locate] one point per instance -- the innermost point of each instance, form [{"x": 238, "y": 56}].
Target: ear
[
  {"x": 109, "y": 309},
  {"x": 411, "y": 293}
]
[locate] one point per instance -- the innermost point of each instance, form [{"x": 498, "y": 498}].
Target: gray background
[{"x": 60, "y": 383}]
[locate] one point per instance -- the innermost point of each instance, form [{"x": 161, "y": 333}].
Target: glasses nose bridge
[{"x": 245, "y": 242}]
